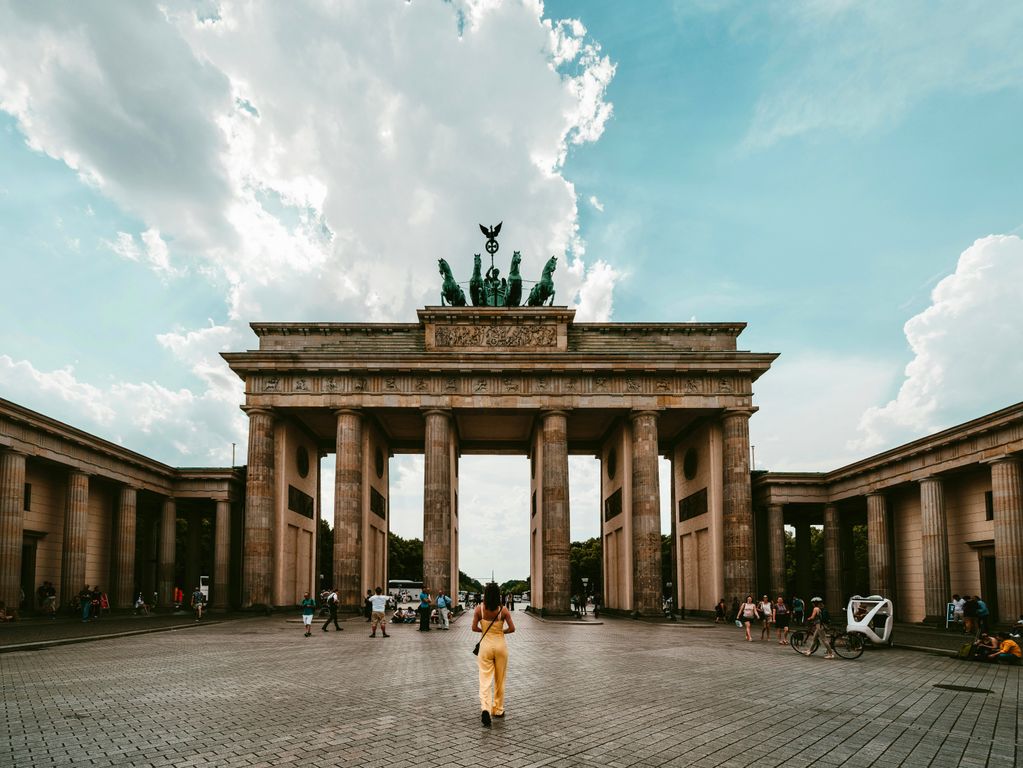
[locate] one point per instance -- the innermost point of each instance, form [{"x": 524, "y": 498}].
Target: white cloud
[
  {"x": 809, "y": 405},
  {"x": 966, "y": 349},
  {"x": 152, "y": 251},
  {"x": 861, "y": 66}
]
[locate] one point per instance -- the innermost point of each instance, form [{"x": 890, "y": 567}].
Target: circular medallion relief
[
  {"x": 690, "y": 462},
  {"x": 302, "y": 459},
  {"x": 379, "y": 458},
  {"x": 612, "y": 463}
]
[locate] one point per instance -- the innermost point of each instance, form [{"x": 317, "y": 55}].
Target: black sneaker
[{"x": 485, "y": 718}]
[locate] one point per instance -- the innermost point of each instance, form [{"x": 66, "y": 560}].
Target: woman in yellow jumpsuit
[{"x": 494, "y": 621}]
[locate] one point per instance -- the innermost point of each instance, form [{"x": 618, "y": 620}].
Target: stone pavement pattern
[{"x": 256, "y": 693}]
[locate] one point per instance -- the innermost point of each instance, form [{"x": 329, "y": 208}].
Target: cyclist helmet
[{"x": 816, "y": 599}]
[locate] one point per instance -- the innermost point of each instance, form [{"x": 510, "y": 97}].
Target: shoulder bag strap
[{"x": 500, "y": 611}]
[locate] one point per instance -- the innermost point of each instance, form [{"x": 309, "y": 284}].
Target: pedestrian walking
[
  {"x": 798, "y": 610},
  {"x": 781, "y": 620},
  {"x": 308, "y": 609},
  {"x": 494, "y": 622},
  {"x": 766, "y": 609},
  {"x": 378, "y": 603},
  {"x": 332, "y": 603},
  {"x": 747, "y": 614},
  {"x": 198, "y": 602},
  {"x": 819, "y": 620}
]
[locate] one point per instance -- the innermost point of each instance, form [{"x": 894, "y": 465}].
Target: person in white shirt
[
  {"x": 957, "y": 608},
  {"x": 378, "y": 605},
  {"x": 443, "y": 608}
]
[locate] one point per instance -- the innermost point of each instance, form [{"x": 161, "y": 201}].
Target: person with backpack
[
  {"x": 983, "y": 614},
  {"x": 198, "y": 602},
  {"x": 819, "y": 620},
  {"x": 332, "y": 603}
]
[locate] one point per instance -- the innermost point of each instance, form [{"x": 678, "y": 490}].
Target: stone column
[
  {"x": 803, "y": 585},
  {"x": 557, "y": 579},
  {"x": 221, "y": 556},
  {"x": 165, "y": 564},
  {"x": 646, "y": 515},
  {"x": 348, "y": 503},
  {"x": 1007, "y": 498},
  {"x": 437, "y": 513},
  {"x": 934, "y": 541},
  {"x": 76, "y": 521},
  {"x": 124, "y": 548},
  {"x": 740, "y": 575},
  {"x": 833, "y": 597},
  {"x": 257, "y": 558},
  {"x": 879, "y": 551},
  {"x": 12, "y": 513},
  {"x": 776, "y": 547}
]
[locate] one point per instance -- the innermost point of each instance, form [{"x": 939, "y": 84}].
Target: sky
[{"x": 843, "y": 177}]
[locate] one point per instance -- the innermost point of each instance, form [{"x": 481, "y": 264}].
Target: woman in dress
[
  {"x": 748, "y": 613},
  {"x": 494, "y": 621},
  {"x": 781, "y": 620}
]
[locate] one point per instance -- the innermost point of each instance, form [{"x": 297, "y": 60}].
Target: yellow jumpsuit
[{"x": 493, "y": 664}]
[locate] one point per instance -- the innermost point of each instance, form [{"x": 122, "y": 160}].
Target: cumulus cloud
[
  {"x": 150, "y": 249},
  {"x": 966, "y": 349},
  {"x": 830, "y": 64}
]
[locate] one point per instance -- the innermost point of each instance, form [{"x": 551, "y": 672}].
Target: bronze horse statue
[
  {"x": 514, "y": 297},
  {"x": 544, "y": 289},
  {"x": 476, "y": 282},
  {"x": 451, "y": 294}
]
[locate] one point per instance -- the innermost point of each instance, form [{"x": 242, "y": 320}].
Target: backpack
[
  {"x": 332, "y": 598},
  {"x": 825, "y": 617},
  {"x": 965, "y": 651}
]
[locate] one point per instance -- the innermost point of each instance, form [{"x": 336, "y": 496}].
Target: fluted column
[
  {"x": 832, "y": 560},
  {"x": 12, "y": 501},
  {"x": 776, "y": 547},
  {"x": 557, "y": 580},
  {"x": 348, "y": 504},
  {"x": 124, "y": 548},
  {"x": 934, "y": 542},
  {"x": 165, "y": 562},
  {"x": 740, "y": 574},
  {"x": 437, "y": 516},
  {"x": 646, "y": 515},
  {"x": 1007, "y": 498},
  {"x": 221, "y": 555},
  {"x": 257, "y": 558},
  {"x": 879, "y": 551},
  {"x": 76, "y": 520}
]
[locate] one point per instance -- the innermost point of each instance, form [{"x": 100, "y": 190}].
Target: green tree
[
  {"x": 468, "y": 584},
  {"x": 586, "y": 560},
  {"x": 816, "y": 579},
  {"x": 404, "y": 558}
]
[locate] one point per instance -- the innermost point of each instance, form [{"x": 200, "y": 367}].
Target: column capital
[
  {"x": 545, "y": 412},
  {"x": 931, "y": 479},
  {"x": 641, "y": 412},
  {"x": 258, "y": 410},
  {"x": 875, "y": 494},
  {"x": 732, "y": 412},
  {"x": 4, "y": 451},
  {"x": 348, "y": 411},
  {"x": 1008, "y": 458},
  {"x": 435, "y": 411}
]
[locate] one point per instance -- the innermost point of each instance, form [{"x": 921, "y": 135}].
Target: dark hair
[{"x": 492, "y": 597}]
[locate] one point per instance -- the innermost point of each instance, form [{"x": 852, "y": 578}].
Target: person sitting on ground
[
  {"x": 398, "y": 617},
  {"x": 984, "y": 647},
  {"x": 1008, "y": 650},
  {"x": 4, "y": 615}
]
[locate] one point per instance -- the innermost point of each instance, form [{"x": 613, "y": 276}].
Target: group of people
[
  {"x": 972, "y": 612},
  {"x": 1001, "y": 647},
  {"x": 93, "y": 603},
  {"x": 777, "y": 614}
]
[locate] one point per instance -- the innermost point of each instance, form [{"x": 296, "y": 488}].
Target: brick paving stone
[{"x": 257, "y": 693}]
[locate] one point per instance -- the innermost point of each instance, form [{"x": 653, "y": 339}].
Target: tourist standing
[
  {"x": 798, "y": 610},
  {"x": 970, "y": 608},
  {"x": 747, "y": 614},
  {"x": 378, "y": 603},
  {"x": 983, "y": 614},
  {"x": 719, "y": 612},
  {"x": 85, "y": 602},
  {"x": 331, "y": 603},
  {"x": 957, "y": 609},
  {"x": 781, "y": 620},
  {"x": 424, "y": 611},
  {"x": 367, "y": 605},
  {"x": 308, "y": 609},
  {"x": 493, "y": 656},
  {"x": 766, "y": 609},
  {"x": 443, "y": 609}
]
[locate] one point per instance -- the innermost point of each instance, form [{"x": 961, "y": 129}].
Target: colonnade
[
  {"x": 1006, "y": 514},
  {"x": 118, "y": 576}
]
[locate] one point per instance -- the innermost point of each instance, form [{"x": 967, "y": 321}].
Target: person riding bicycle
[{"x": 819, "y": 621}]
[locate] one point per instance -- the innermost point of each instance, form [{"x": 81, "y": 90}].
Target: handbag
[{"x": 476, "y": 650}]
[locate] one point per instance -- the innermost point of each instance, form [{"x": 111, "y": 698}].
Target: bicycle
[{"x": 847, "y": 645}]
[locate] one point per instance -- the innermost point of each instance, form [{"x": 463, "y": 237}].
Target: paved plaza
[{"x": 256, "y": 692}]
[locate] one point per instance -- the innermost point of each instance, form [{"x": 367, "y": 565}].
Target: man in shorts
[
  {"x": 308, "y": 608},
  {"x": 378, "y": 603},
  {"x": 198, "y": 602}
]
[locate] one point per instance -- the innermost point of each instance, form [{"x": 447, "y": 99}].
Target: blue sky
[{"x": 844, "y": 177}]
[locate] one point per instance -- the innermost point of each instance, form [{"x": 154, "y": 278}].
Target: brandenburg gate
[{"x": 501, "y": 380}]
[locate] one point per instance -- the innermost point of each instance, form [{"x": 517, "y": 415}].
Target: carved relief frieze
[{"x": 522, "y": 336}]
